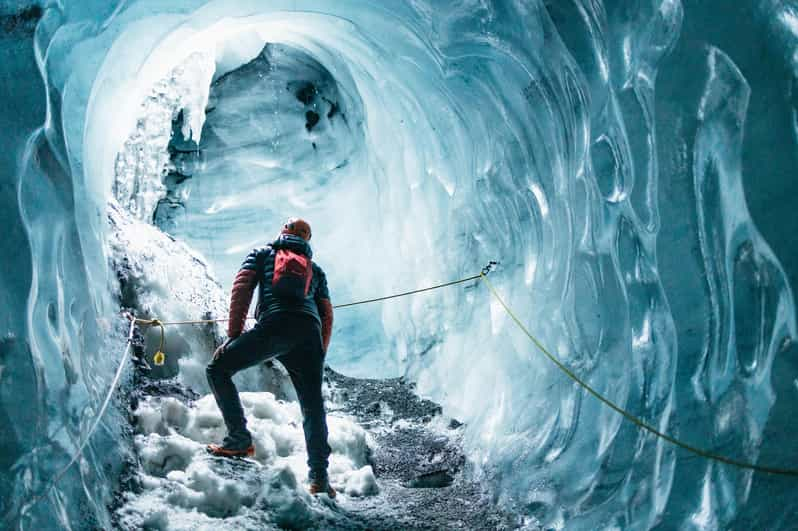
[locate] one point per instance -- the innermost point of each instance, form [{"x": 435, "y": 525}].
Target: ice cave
[{"x": 625, "y": 162}]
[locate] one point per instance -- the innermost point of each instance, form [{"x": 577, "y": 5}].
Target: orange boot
[
  {"x": 224, "y": 451},
  {"x": 322, "y": 486}
]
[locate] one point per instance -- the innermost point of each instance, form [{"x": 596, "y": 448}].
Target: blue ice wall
[
  {"x": 23, "y": 109},
  {"x": 628, "y": 163},
  {"x": 54, "y": 366}
]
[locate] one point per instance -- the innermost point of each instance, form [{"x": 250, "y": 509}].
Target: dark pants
[{"x": 295, "y": 340}]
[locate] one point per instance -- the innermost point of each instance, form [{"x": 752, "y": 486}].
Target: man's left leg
[{"x": 249, "y": 349}]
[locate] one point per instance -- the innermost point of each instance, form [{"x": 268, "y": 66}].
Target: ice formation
[{"x": 606, "y": 153}]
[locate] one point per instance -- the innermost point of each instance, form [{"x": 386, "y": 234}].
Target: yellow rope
[
  {"x": 160, "y": 356},
  {"x": 629, "y": 416},
  {"x": 161, "y": 324}
]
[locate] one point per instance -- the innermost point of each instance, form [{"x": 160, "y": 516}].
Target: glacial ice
[{"x": 613, "y": 156}]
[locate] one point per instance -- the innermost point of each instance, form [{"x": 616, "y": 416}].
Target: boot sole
[{"x": 220, "y": 451}]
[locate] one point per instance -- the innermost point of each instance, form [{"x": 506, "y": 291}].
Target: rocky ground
[{"x": 418, "y": 461}]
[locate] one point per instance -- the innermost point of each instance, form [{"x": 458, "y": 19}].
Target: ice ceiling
[{"x": 603, "y": 152}]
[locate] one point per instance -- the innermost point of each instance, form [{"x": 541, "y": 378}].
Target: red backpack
[{"x": 292, "y": 274}]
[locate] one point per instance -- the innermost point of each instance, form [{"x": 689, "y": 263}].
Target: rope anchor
[
  {"x": 160, "y": 356},
  {"x": 488, "y": 268}
]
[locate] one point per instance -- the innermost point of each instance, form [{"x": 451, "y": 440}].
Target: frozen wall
[
  {"x": 602, "y": 152},
  {"x": 54, "y": 366}
]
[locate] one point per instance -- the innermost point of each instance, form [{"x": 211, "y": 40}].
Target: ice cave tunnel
[{"x": 627, "y": 162}]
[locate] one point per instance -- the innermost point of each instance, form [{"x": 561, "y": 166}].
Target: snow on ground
[{"x": 182, "y": 487}]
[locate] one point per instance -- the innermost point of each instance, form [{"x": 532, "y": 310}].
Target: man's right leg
[{"x": 246, "y": 350}]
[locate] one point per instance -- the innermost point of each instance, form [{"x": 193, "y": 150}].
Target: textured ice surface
[
  {"x": 142, "y": 161},
  {"x": 603, "y": 151}
]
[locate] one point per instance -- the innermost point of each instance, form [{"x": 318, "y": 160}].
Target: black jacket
[{"x": 258, "y": 269}]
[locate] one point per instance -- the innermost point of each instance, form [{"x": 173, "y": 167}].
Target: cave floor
[
  {"x": 417, "y": 457},
  {"x": 418, "y": 461}
]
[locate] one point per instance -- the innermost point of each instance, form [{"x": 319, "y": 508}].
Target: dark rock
[
  {"x": 23, "y": 21},
  {"x": 166, "y": 387},
  {"x": 306, "y": 92},
  {"x": 396, "y": 393},
  {"x": 373, "y": 408},
  {"x": 334, "y": 109},
  {"x": 431, "y": 480},
  {"x": 169, "y": 214},
  {"x": 312, "y": 118}
]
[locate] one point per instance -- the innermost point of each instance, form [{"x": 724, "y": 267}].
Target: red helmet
[{"x": 297, "y": 227}]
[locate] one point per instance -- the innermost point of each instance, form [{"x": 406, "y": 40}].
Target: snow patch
[
  {"x": 361, "y": 482},
  {"x": 185, "y": 488}
]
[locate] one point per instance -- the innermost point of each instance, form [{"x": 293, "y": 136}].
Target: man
[{"x": 294, "y": 324}]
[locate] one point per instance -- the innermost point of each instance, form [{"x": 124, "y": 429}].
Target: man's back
[
  {"x": 262, "y": 261},
  {"x": 258, "y": 270}
]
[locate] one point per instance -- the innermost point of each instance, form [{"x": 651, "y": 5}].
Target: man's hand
[{"x": 219, "y": 351}]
